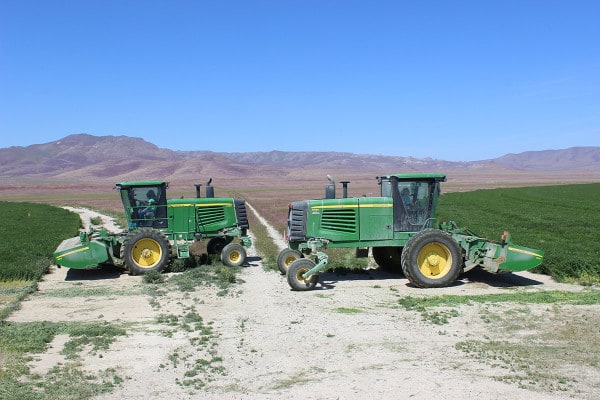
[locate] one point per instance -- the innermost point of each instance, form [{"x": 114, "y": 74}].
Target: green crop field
[
  {"x": 30, "y": 233},
  {"x": 563, "y": 221}
]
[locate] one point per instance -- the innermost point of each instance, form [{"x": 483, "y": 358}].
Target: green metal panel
[
  {"x": 376, "y": 216},
  {"x": 335, "y": 219},
  {"x": 182, "y": 220},
  {"x": 205, "y": 215},
  {"x": 519, "y": 258},
  {"x": 73, "y": 253},
  {"x": 215, "y": 214},
  {"x": 211, "y": 215}
]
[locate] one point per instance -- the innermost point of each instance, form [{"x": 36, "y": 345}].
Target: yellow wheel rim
[
  {"x": 301, "y": 272},
  {"x": 434, "y": 260},
  {"x": 235, "y": 256},
  {"x": 289, "y": 260},
  {"x": 146, "y": 253}
]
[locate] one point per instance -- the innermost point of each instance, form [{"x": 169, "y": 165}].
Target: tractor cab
[
  {"x": 414, "y": 199},
  {"x": 145, "y": 203}
]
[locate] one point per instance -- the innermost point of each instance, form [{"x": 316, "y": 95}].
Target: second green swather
[{"x": 401, "y": 229}]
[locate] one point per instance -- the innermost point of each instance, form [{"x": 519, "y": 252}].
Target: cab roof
[
  {"x": 129, "y": 184},
  {"x": 421, "y": 176}
]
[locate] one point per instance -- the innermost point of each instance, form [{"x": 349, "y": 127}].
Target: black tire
[
  {"x": 388, "y": 258},
  {"x": 145, "y": 250},
  {"x": 233, "y": 255},
  {"x": 286, "y": 257},
  {"x": 432, "y": 259},
  {"x": 216, "y": 245},
  {"x": 295, "y": 272}
]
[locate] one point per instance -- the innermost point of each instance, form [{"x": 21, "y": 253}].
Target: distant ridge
[
  {"x": 571, "y": 159},
  {"x": 82, "y": 157}
]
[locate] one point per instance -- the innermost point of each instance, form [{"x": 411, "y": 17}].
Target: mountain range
[{"x": 82, "y": 157}]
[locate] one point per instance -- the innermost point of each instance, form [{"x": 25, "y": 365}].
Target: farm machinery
[
  {"x": 401, "y": 230},
  {"x": 160, "y": 229}
]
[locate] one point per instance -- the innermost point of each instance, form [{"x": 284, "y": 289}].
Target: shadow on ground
[
  {"x": 100, "y": 272},
  {"x": 328, "y": 280}
]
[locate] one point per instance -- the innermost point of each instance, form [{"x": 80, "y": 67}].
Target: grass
[
  {"x": 348, "y": 310},
  {"x": 19, "y": 341},
  {"x": 30, "y": 233},
  {"x": 555, "y": 358},
  {"x": 560, "y": 220},
  {"x": 201, "y": 366},
  {"x": 12, "y": 293},
  {"x": 418, "y": 303},
  {"x": 439, "y": 309},
  {"x": 213, "y": 274},
  {"x": 262, "y": 243},
  {"x": 80, "y": 290},
  {"x": 546, "y": 350}
]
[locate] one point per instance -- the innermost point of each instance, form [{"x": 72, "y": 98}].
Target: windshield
[
  {"x": 145, "y": 196},
  {"x": 412, "y": 202},
  {"x": 142, "y": 204}
]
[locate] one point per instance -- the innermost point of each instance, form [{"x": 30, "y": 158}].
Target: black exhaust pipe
[
  {"x": 197, "y": 189},
  {"x": 210, "y": 190},
  {"x": 345, "y": 188}
]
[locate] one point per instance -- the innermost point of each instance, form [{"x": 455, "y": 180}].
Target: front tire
[
  {"x": 285, "y": 258},
  {"x": 432, "y": 259},
  {"x": 146, "y": 250},
  {"x": 295, "y": 272},
  {"x": 233, "y": 255}
]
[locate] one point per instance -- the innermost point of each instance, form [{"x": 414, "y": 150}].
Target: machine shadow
[
  {"x": 99, "y": 273},
  {"x": 252, "y": 261},
  {"x": 479, "y": 275},
  {"x": 106, "y": 271},
  {"x": 329, "y": 279}
]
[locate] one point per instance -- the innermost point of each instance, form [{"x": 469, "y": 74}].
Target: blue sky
[{"x": 452, "y": 80}]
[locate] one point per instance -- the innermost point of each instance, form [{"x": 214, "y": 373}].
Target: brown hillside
[{"x": 108, "y": 159}]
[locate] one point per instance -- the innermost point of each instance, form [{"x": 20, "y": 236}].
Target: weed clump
[{"x": 153, "y": 277}]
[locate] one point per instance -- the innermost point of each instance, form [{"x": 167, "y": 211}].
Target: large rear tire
[
  {"x": 146, "y": 250},
  {"x": 295, "y": 272},
  {"x": 432, "y": 259},
  {"x": 388, "y": 258},
  {"x": 285, "y": 258},
  {"x": 233, "y": 255}
]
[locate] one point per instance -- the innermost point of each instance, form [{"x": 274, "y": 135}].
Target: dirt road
[{"x": 348, "y": 339}]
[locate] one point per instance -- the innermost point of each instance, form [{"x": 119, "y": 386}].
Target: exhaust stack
[
  {"x": 345, "y": 189},
  {"x": 210, "y": 190},
  {"x": 330, "y": 188}
]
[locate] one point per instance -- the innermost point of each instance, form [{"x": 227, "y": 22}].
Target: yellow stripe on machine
[
  {"x": 531, "y": 253},
  {"x": 201, "y": 205},
  {"x": 72, "y": 252},
  {"x": 355, "y": 206}
]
